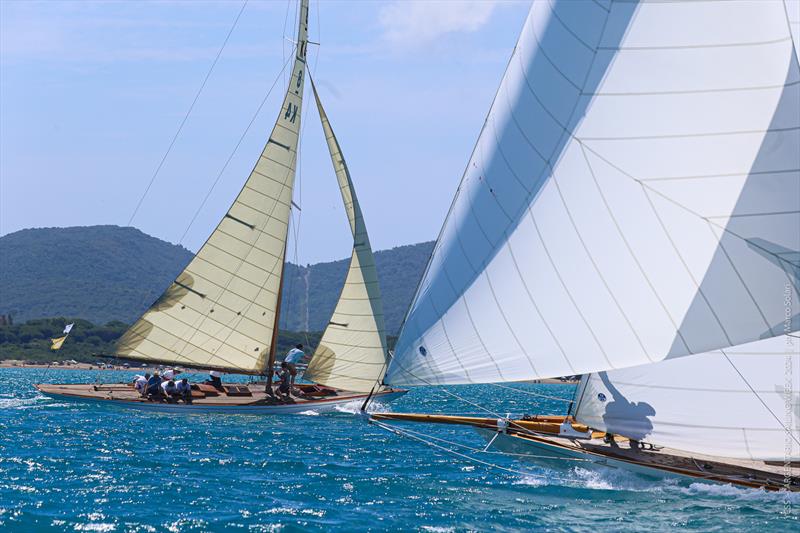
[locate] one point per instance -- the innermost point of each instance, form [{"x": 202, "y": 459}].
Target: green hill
[{"x": 110, "y": 273}]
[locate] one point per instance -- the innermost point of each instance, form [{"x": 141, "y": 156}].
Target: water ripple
[{"x": 83, "y": 467}]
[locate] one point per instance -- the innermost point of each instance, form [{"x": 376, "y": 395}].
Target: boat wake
[
  {"x": 631, "y": 482},
  {"x": 354, "y": 408},
  {"x": 738, "y": 493},
  {"x": 22, "y": 403}
]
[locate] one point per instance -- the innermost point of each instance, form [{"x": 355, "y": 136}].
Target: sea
[{"x": 67, "y": 466}]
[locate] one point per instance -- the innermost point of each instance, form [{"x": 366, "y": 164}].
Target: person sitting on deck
[
  {"x": 184, "y": 390},
  {"x": 153, "y": 389},
  {"x": 140, "y": 383},
  {"x": 170, "y": 390},
  {"x": 215, "y": 379},
  {"x": 285, "y": 377},
  {"x": 293, "y": 357}
]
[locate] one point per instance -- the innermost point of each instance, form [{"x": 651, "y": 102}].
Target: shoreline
[{"x": 16, "y": 363}]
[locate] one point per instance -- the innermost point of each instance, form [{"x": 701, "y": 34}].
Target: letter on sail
[
  {"x": 634, "y": 196},
  {"x": 221, "y": 310},
  {"x": 352, "y": 352}
]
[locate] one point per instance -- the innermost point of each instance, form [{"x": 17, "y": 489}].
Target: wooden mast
[{"x": 274, "y": 343}]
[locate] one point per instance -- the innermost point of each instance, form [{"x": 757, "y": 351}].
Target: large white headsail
[
  {"x": 634, "y": 195},
  {"x": 352, "y": 354},
  {"x": 739, "y": 402},
  {"x": 221, "y": 310}
]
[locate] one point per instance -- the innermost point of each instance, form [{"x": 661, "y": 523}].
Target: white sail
[
  {"x": 741, "y": 402},
  {"x": 220, "y": 311},
  {"x": 634, "y": 195},
  {"x": 352, "y": 353}
]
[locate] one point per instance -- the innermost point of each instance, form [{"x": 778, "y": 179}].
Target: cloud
[{"x": 414, "y": 23}]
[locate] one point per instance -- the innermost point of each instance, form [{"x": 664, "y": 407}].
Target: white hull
[{"x": 325, "y": 405}]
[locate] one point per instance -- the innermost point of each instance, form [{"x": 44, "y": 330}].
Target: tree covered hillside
[
  {"x": 107, "y": 273},
  {"x": 98, "y": 273}
]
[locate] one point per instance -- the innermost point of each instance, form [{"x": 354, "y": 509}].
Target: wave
[{"x": 21, "y": 403}]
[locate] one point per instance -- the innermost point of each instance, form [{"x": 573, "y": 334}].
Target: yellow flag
[{"x": 57, "y": 342}]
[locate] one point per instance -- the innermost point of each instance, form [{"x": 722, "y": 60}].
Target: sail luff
[
  {"x": 352, "y": 353},
  {"x": 219, "y": 312}
]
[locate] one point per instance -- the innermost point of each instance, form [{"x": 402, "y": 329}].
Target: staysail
[
  {"x": 741, "y": 402},
  {"x": 634, "y": 196},
  {"x": 352, "y": 353},
  {"x": 220, "y": 312}
]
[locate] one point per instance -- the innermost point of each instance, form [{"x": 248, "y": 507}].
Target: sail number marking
[{"x": 291, "y": 112}]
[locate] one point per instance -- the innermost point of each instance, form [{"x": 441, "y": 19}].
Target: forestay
[
  {"x": 221, "y": 310},
  {"x": 634, "y": 195},
  {"x": 741, "y": 402},
  {"x": 352, "y": 353}
]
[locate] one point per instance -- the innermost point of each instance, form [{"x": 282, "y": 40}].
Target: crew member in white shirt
[{"x": 140, "y": 383}]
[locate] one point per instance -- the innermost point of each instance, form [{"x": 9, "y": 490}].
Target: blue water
[{"x": 84, "y": 467}]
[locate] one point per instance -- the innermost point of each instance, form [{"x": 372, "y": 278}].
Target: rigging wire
[
  {"x": 510, "y": 422},
  {"x": 233, "y": 152},
  {"x": 407, "y": 435},
  {"x": 186, "y": 116},
  {"x": 531, "y": 393},
  {"x": 483, "y": 450},
  {"x": 760, "y": 399}
]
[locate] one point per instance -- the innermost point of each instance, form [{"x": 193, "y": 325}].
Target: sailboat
[
  {"x": 222, "y": 312},
  {"x": 630, "y": 213}
]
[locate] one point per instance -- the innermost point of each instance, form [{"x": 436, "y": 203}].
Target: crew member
[
  {"x": 184, "y": 390},
  {"x": 293, "y": 357}
]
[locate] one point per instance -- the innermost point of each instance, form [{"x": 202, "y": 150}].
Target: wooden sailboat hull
[
  {"x": 553, "y": 456},
  {"x": 540, "y": 441},
  {"x": 123, "y": 396}
]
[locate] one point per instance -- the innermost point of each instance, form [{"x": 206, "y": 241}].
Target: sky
[{"x": 92, "y": 94}]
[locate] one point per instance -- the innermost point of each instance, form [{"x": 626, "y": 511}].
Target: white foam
[
  {"x": 739, "y": 493},
  {"x": 531, "y": 481},
  {"x": 21, "y": 403}
]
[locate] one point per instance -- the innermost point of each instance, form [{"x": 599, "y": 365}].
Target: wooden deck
[{"x": 234, "y": 397}]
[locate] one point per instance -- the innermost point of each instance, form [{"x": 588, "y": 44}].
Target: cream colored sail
[
  {"x": 352, "y": 354},
  {"x": 221, "y": 310}
]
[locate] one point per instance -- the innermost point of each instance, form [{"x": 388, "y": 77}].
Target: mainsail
[
  {"x": 352, "y": 354},
  {"x": 221, "y": 311},
  {"x": 741, "y": 402},
  {"x": 634, "y": 196}
]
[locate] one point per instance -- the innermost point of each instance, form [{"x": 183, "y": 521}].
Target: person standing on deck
[{"x": 293, "y": 357}]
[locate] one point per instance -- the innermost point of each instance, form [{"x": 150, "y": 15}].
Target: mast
[{"x": 273, "y": 347}]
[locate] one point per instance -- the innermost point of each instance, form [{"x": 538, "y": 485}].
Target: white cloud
[{"x": 413, "y": 23}]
